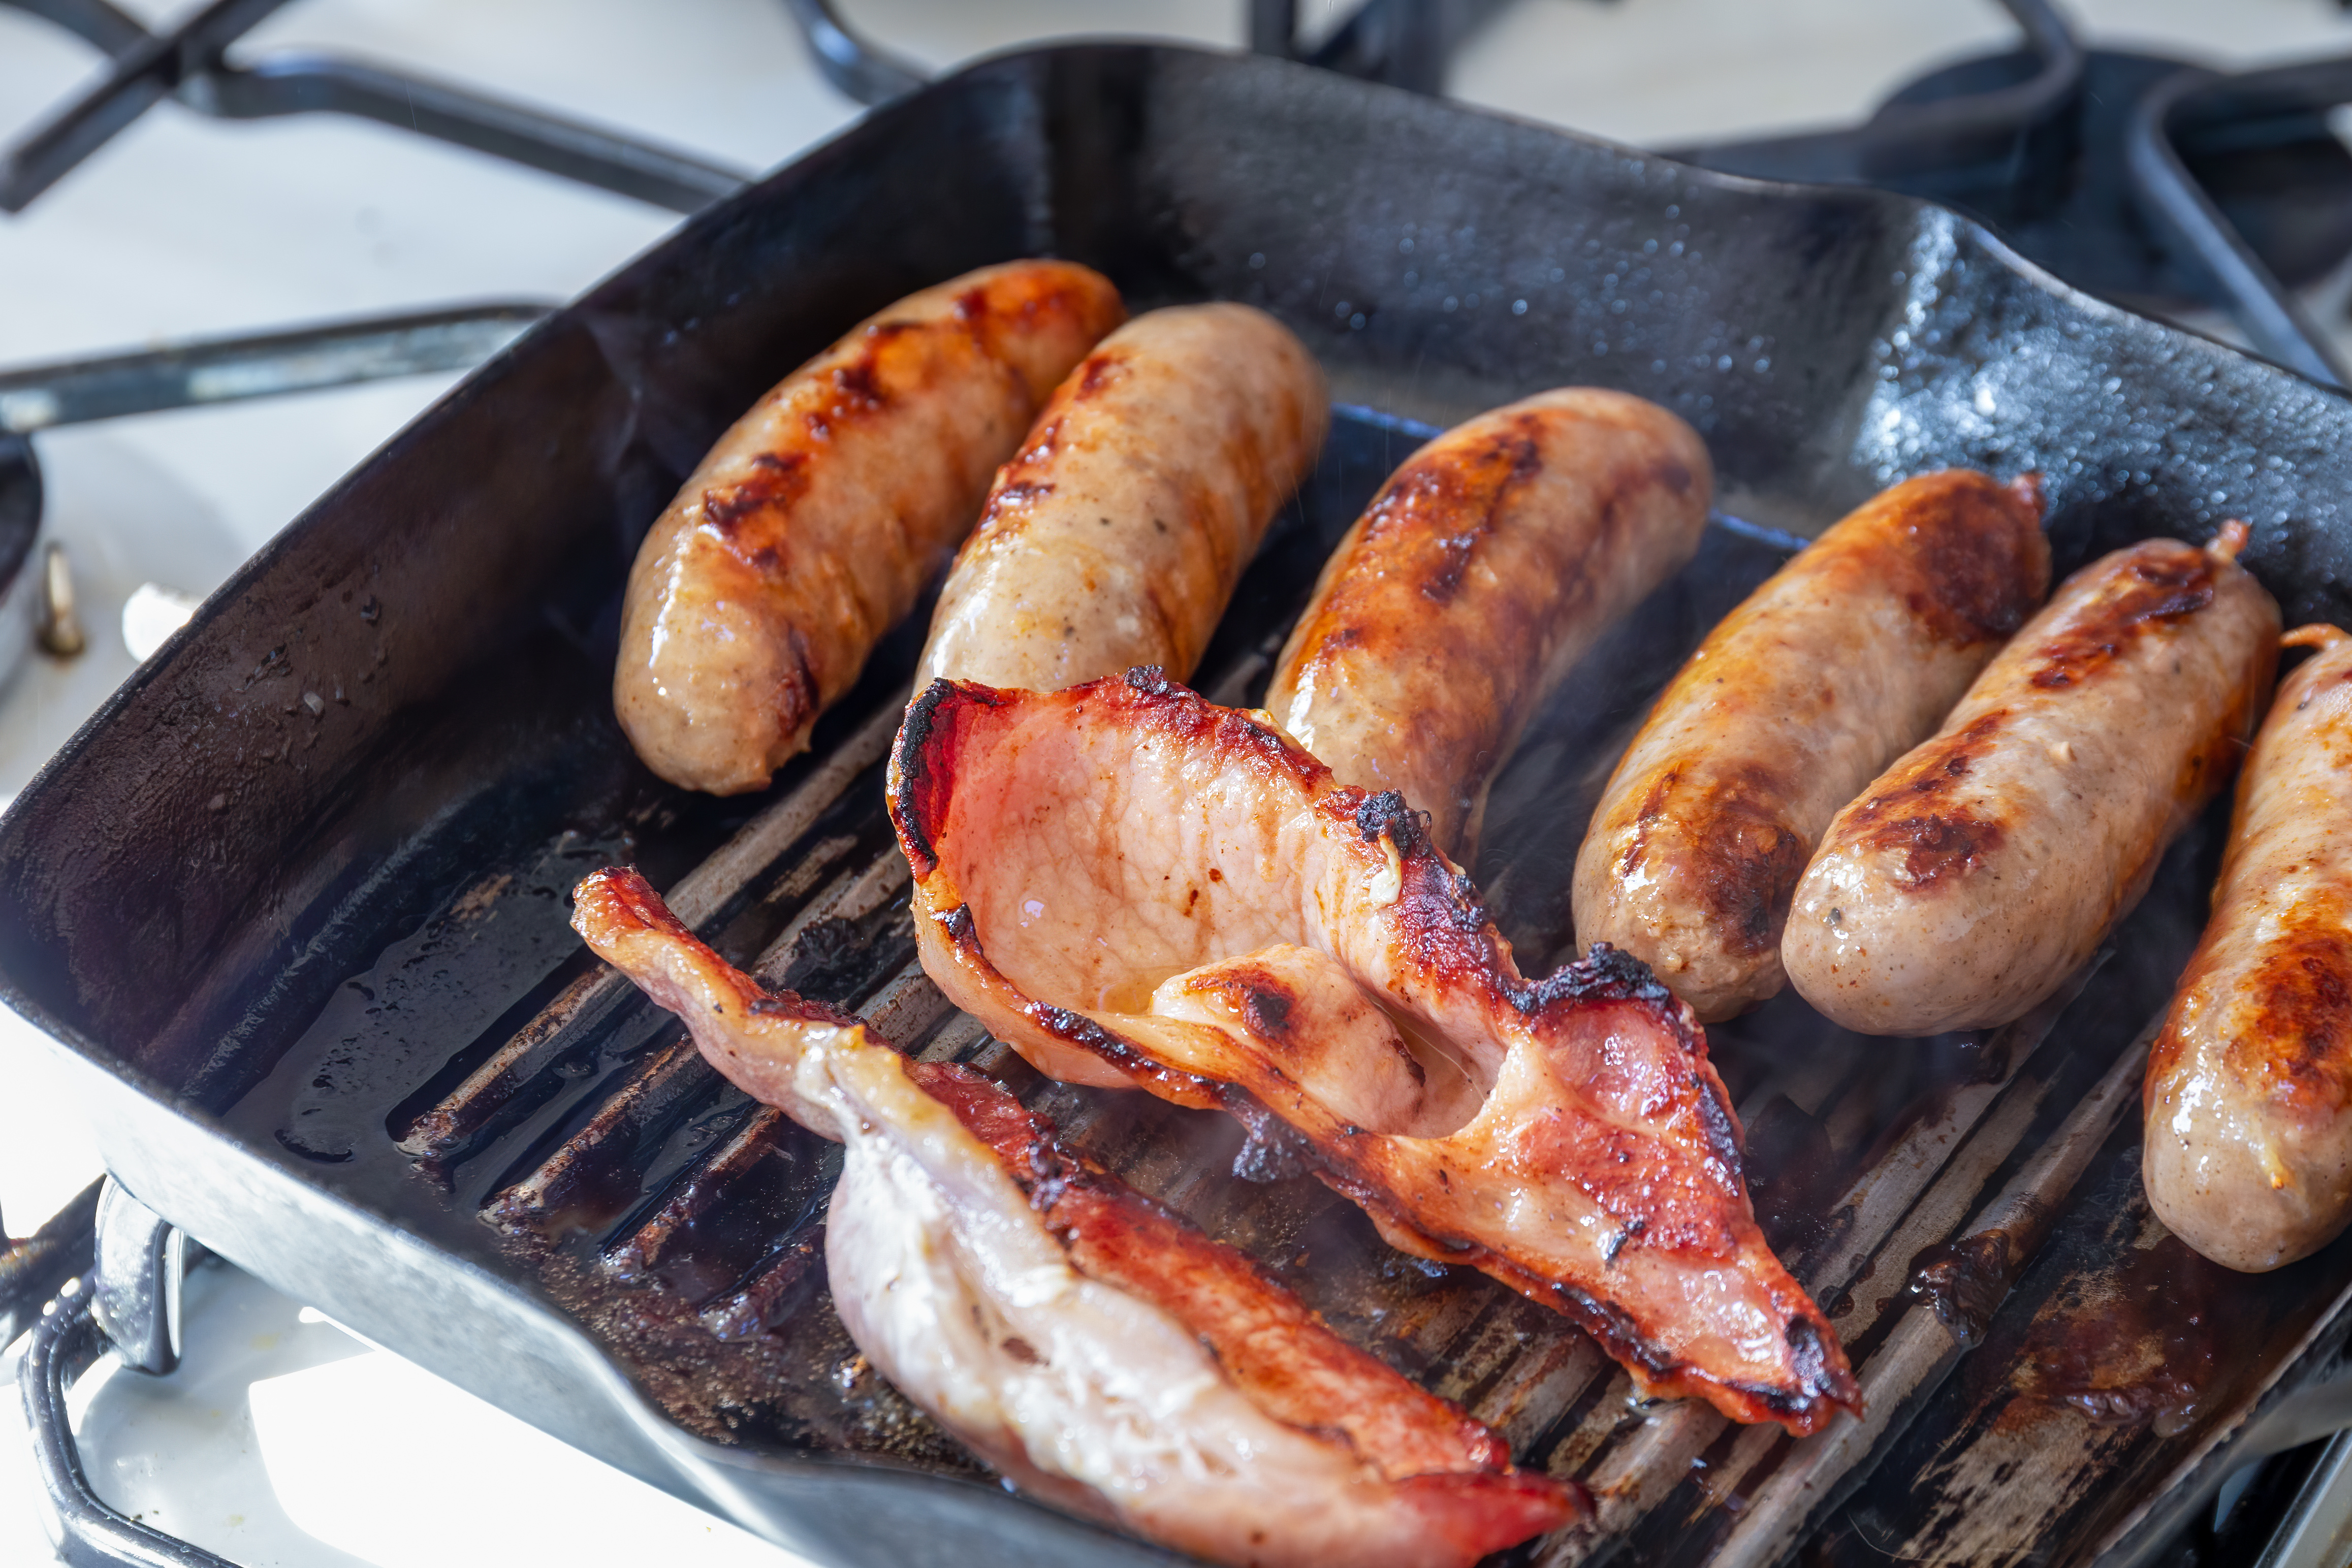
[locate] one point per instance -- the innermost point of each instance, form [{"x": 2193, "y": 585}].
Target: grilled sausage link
[
  {"x": 813, "y": 525},
  {"x": 1116, "y": 535},
  {"x": 1841, "y": 663},
  {"x": 2248, "y": 1157},
  {"x": 1986, "y": 865},
  {"x": 1484, "y": 569}
]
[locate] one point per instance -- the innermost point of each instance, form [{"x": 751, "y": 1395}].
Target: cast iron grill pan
[{"x": 295, "y": 900}]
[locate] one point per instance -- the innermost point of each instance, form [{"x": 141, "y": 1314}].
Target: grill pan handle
[{"x": 134, "y": 1292}]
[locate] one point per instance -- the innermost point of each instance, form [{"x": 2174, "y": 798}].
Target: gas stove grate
[{"x": 190, "y": 63}]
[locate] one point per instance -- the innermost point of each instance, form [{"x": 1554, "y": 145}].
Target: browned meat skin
[
  {"x": 1483, "y": 570},
  {"x": 1846, "y": 659},
  {"x": 1305, "y": 1451},
  {"x": 1116, "y": 535},
  {"x": 1291, "y": 1365},
  {"x": 1988, "y": 864},
  {"x": 2248, "y": 1155},
  {"x": 812, "y": 526},
  {"x": 1123, "y": 878}
]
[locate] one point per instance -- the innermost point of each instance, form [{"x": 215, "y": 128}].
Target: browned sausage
[
  {"x": 1114, "y": 539},
  {"x": 2249, "y": 1099},
  {"x": 1483, "y": 570},
  {"x": 1984, "y": 867},
  {"x": 812, "y": 526},
  {"x": 1841, "y": 663}
]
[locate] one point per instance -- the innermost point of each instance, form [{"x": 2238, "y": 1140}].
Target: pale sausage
[
  {"x": 1845, "y": 659},
  {"x": 1485, "y": 568},
  {"x": 1115, "y": 537},
  {"x": 1988, "y": 864},
  {"x": 2249, "y": 1099},
  {"x": 813, "y": 525}
]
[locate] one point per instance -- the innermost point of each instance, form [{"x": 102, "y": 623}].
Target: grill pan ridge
[{"x": 294, "y": 904}]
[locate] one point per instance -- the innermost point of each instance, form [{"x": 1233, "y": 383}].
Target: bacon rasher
[
  {"x": 1133, "y": 886},
  {"x": 1092, "y": 1347}
]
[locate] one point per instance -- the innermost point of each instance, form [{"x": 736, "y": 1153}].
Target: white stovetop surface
[{"x": 285, "y": 1440}]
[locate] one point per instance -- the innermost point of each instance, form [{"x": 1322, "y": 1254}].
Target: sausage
[
  {"x": 1985, "y": 866},
  {"x": 2248, "y": 1101},
  {"x": 1485, "y": 568},
  {"x": 1841, "y": 663},
  {"x": 1116, "y": 535},
  {"x": 813, "y": 525}
]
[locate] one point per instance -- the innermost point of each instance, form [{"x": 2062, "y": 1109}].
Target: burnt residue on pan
[
  {"x": 1966, "y": 1279},
  {"x": 796, "y": 1383},
  {"x": 2117, "y": 1348},
  {"x": 2143, "y": 1344}
]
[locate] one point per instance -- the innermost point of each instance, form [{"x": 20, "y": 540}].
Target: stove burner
[
  {"x": 33, "y": 1267},
  {"x": 2165, "y": 187},
  {"x": 20, "y": 524},
  {"x": 854, "y": 66},
  {"x": 129, "y": 1304},
  {"x": 230, "y": 370}
]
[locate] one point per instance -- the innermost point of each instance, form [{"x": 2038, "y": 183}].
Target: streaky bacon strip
[
  {"x": 1131, "y": 885},
  {"x": 1168, "y": 1383},
  {"x": 1280, "y": 1353}
]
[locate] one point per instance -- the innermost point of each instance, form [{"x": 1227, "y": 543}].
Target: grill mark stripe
[
  {"x": 700, "y": 895},
  {"x": 702, "y": 1189},
  {"x": 676, "y": 1079},
  {"x": 2027, "y": 1208}
]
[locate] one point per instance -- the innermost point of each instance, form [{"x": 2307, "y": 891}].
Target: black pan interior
[{"x": 300, "y": 875}]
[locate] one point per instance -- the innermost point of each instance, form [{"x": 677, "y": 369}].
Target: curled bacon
[
  {"x": 1131, "y": 885},
  {"x": 1088, "y": 1343}
]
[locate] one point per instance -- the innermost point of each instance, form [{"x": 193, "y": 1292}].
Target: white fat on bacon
[
  {"x": 1130, "y": 886},
  {"x": 1093, "y": 1396}
]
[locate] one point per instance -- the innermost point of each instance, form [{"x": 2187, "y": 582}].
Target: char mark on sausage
[
  {"x": 2248, "y": 1100},
  {"x": 1848, "y": 654},
  {"x": 812, "y": 526}
]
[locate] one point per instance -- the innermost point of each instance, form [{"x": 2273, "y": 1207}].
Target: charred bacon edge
[
  {"x": 1277, "y": 1149},
  {"x": 1447, "y": 923}
]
